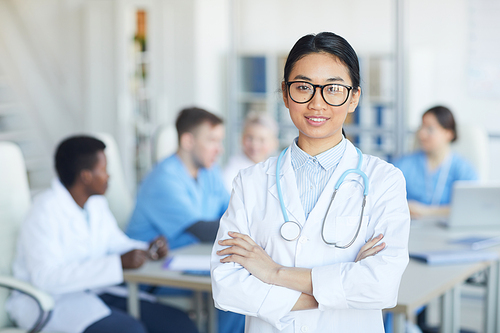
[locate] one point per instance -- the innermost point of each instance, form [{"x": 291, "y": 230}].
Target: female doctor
[{"x": 296, "y": 250}]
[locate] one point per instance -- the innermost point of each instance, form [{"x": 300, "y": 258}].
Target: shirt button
[
  {"x": 304, "y": 329},
  {"x": 311, "y": 187},
  {"x": 303, "y": 240}
]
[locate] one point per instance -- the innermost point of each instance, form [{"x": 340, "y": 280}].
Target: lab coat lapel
[
  {"x": 71, "y": 209},
  {"x": 288, "y": 183}
]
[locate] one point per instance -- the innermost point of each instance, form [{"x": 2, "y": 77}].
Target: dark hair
[
  {"x": 325, "y": 42},
  {"x": 75, "y": 154},
  {"x": 190, "y": 118},
  {"x": 445, "y": 118}
]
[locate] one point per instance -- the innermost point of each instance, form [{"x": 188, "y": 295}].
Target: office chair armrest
[{"x": 44, "y": 300}]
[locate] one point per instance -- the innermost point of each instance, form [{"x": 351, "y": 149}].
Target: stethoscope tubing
[{"x": 337, "y": 186}]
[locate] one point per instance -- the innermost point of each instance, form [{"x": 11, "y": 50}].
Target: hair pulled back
[
  {"x": 445, "y": 118},
  {"x": 325, "y": 42}
]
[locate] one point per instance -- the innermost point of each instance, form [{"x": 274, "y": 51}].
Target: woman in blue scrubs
[{"x": 431, "y": 171}]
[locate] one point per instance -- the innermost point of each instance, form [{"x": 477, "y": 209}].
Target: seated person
[
  {"x": 183, "y": 197},
  {"x": 431, "y": 171},
  {"x": 259, "y": 141},
  {"x": 70, "y": 246}
]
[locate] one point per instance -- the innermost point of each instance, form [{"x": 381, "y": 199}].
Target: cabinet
[
  {"x": 258, "y": 89},
  {"x": 371, "y": 127}
]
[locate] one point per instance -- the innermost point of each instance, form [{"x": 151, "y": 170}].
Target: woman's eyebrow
[
  {"x": 332, "y": 79},
  {"x": 302, "y": 77},
  {"x": 335, "y": 79}
]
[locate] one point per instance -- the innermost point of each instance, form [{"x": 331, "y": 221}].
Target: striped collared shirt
[{"x": 313, "y": 172}]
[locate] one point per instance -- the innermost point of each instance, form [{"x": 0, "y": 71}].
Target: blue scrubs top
[
  {"x": 170, "y": 200},
  {"x": 421, "y": 184}
]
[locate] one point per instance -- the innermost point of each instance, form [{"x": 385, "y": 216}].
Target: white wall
[
  {"x": 274, "y": 26},
  {"x": 211, "y": 46},
  {"x": 83, "y": 71},
  {"x": 439, "y": 36}
]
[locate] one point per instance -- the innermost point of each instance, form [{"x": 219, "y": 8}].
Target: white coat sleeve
[
  {"x": 234, "y": 288},
  {"x": 45, "y": 256},
  {"x": 371, "y": 283},
  {"x": 118, "y": 241}
]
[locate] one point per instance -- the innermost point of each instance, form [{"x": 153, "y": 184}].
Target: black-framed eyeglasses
[{"x": 334, "y": 94}]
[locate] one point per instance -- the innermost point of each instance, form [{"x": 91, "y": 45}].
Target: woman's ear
[
  {"x": 450, "y": 135},
  {"x": 284, "y": 91},
  {"x": 356, "y": 94}
]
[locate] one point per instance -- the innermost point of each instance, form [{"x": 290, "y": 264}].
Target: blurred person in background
[
  {"x": 259, "y": 141},
  {"x": 183, "y": 197},
  {"x": 431, "y": 171},
  {"x": 71, "y": 247}
]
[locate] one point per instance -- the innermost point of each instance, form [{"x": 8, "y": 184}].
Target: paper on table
[
  {"x": 188, "y": 262},
  {"x": 453, "y": 256},
  {"x": 478, "y": 242}
]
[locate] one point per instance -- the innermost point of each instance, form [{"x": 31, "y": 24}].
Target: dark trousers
[{"x": 155, "y": 318}]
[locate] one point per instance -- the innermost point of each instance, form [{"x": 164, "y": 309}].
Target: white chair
[
  {"x": 119, "y": 197},
  {"x": 473, "y": 145},
  {"x": 165, "y": 142},
  {"x": 14, "y": 205}
]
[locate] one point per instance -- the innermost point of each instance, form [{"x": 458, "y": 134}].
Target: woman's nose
[{"x": 317, "y": 102}]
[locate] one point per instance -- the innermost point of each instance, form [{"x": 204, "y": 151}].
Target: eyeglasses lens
[{"x": 333, "y": 94}]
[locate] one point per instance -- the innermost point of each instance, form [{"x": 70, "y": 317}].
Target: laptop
[{"x": 474, "y": 204}]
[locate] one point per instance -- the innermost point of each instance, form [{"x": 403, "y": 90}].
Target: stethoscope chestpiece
[{"x": 290, "y": 230}]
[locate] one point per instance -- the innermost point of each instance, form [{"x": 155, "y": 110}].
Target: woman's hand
[
  {"x": 420, "y": 211},
  {"x": 244, "y": 251},
  {"x": 369, "y": 249},
  {"x": 417, "y": 210}
]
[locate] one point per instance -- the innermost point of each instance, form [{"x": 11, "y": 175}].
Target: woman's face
[
  {"x": 259, "y": 142},
  {"x": 319, "y": 123},
  {"x": 431, "y": 135}
]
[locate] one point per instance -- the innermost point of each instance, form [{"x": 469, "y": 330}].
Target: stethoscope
[{"x": 290, "y": 230}]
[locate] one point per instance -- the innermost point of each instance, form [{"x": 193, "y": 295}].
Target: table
[
  {"x": 152, "y": 273},
  {"x": 421, "y": 283}
]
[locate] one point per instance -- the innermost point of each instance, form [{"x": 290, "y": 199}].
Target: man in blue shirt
[{"x": 183, "y": 198}]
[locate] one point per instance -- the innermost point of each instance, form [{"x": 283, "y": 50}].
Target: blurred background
[{"x": 126, "y": 67}]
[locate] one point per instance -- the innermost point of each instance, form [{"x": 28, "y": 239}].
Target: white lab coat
[
  {"x": 233, "y": 167},
  {"x": 61, "y": 253},
  {"x": 350, "y": 295}
]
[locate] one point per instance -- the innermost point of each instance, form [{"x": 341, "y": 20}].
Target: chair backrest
[
  {"x": 14, "y": 205},
  {"x": 119, "y": 197},
  {"x": 165, "y": 142},
  {"x": 473, "y": 145}
]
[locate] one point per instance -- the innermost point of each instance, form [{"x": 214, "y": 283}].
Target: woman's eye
[
  {"x": 334, "y": 90},
  {"x": 304, "y": 88}
]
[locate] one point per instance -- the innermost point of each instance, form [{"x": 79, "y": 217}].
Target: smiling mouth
[{"x": 317, "y": 120}]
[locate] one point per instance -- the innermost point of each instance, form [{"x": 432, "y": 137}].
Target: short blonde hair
[{"x": 262, "y": 119}]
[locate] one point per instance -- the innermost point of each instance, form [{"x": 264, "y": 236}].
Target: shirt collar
[
  {"x": 66, "y": 200},
  {"x": 327, "y": 159}
]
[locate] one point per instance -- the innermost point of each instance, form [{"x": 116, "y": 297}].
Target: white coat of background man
[{"x": 71, "y": 247}]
